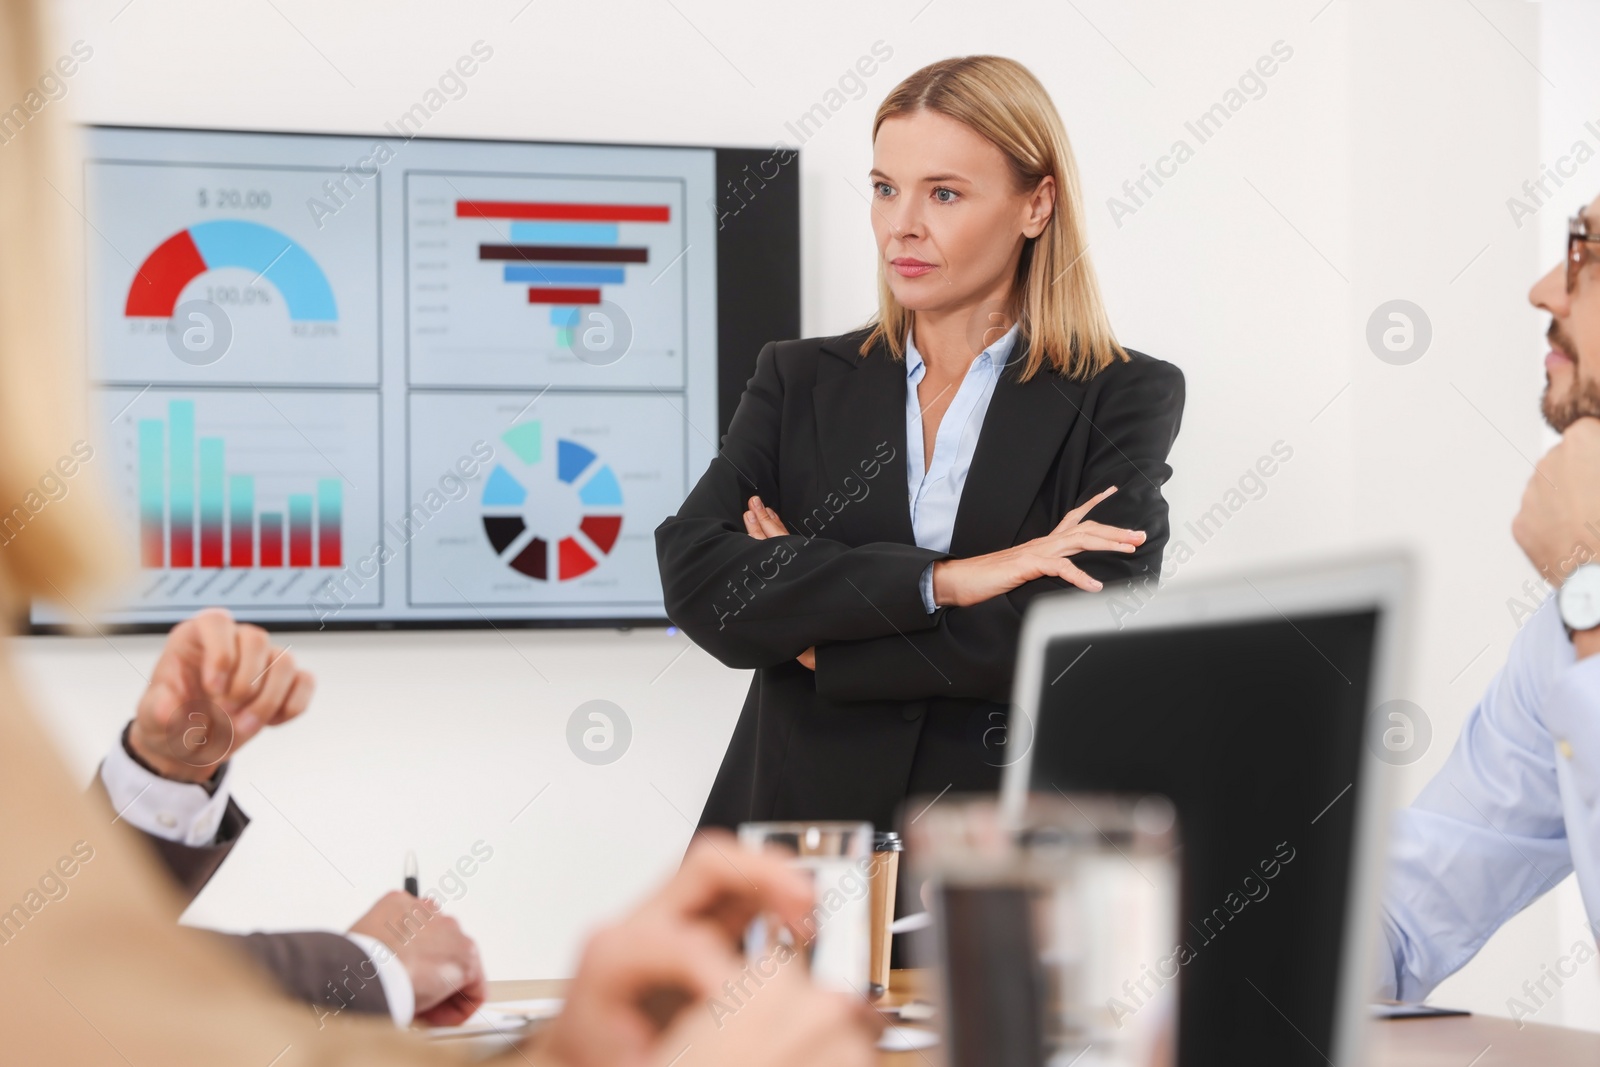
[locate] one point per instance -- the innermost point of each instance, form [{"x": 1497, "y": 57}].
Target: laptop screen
[{"x": 1254, "y": 729}]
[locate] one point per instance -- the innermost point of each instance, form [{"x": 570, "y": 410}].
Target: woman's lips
[{"x": 910, "y": 268}]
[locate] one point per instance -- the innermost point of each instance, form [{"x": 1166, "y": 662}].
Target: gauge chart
[{"x": 282, "y": 262}]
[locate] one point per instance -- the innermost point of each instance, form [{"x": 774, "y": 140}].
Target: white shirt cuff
[
  {"x": 391, "y": 975},
  {"x": 927, "y": 589},
  {"x": 175, "y": 811}
]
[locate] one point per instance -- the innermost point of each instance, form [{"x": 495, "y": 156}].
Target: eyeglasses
[{"x": 1578, "y": 238}]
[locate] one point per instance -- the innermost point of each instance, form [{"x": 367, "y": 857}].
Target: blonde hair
[
  {"x": 1054, "y": 297},
  {"x": 54, "y": 547}
]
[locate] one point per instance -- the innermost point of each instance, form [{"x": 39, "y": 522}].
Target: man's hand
[
  {"x": 1555, "y": 527},
  {"x": 645, "y": 986},
  {"x": 442, "y": 961},
  {"x": 216, "y": 684},
  {"x": 963, "y": 582}
]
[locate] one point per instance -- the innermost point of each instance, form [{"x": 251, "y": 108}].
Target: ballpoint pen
[{"x": 411, "y": 884}]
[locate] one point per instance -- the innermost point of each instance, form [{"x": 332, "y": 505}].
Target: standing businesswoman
[{"x": 887, "y": 502}]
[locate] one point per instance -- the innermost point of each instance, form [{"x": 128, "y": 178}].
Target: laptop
[{"x": 1252, "y": 703}]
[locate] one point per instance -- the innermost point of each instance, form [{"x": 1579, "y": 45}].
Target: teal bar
[
  {"x": 180, "y": 416},
  {"x": 241, "y": 520},
  {"x": 211, "y": 501},
  {"x": 152, "y": 495},
  {"x": 330, "y": 501},
  {"x": 300, "y": 530},
  {"x": 211, "y": 479}
]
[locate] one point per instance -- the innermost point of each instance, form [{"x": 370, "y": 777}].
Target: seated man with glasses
[{"x": 1516, "y": 807}]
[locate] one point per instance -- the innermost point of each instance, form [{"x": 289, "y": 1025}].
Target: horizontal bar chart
[{"x": 491, "y": 254}]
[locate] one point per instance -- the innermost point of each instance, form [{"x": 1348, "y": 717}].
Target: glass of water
[
  {"x": 1054, "y": 928},
  {"x": 836, "y": 939}
]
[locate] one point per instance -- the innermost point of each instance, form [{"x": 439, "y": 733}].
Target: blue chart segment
[
  {"x": 208, "y": 246},
  {"x": 519, "y": 539}
]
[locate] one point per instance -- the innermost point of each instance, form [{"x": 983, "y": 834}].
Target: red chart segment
[
  {"x": 516, "y": 518},
  {"x": 163, "y": 275}
]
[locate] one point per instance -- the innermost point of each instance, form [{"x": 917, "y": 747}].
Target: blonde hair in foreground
[
  {"x": 56, "y": 538},
  {"x": 94, "y": 968},
  {"x": 1055, "y": 295}
]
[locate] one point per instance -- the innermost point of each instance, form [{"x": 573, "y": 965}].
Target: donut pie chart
[{"x": 520, "y": 498}]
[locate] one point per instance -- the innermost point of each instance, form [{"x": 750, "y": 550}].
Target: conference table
[{"x": 1452, "y": 1041}]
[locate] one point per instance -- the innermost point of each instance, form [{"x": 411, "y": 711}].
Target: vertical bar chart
[{"x": 188, "y": 498}]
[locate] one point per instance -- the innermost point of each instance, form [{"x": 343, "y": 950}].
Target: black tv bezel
[{"x": 758, "y": 252}]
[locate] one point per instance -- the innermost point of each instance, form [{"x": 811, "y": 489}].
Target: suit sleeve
[
  {"x": 191, "y": 866},
  {"x": 758, "y": 603},
  {"x": 326, "y": 970},
  {"x": 323, "y": 969},
  {"x": 971, "y": 651}
]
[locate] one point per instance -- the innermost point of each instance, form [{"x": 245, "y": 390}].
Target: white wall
[{"x": 1374, "y": 166}]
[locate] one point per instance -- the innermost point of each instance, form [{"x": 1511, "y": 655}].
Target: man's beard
[{"x": 1582, "y": 400}]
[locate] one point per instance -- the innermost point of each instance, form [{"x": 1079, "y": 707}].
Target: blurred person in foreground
[{"x": 101, "y": 973}]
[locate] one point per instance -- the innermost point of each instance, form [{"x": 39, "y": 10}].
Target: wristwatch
[{"x": 1579, "y": 598}]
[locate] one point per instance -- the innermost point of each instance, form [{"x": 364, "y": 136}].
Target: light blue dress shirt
[
  {"x": 1514, "y": 810},
  {"x": 936, "y": 493}
]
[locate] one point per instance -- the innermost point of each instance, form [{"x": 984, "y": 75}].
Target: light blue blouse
[{"x": 935, "y": 494}]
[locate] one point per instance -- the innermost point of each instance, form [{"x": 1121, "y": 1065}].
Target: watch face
[{"x": 1580, "y": 598}]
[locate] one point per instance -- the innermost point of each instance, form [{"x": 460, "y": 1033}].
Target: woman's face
[{"x": 949, "y": 223}]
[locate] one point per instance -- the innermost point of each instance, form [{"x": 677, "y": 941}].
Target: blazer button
[{"x": 911, "y": 712}]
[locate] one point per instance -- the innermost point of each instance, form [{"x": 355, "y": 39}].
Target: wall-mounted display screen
[{"x": 348, "y": 379}]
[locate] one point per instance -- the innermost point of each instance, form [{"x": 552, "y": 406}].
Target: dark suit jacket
[
  {"x": 323, "y": 969},
  {"x": 820, "y": 435}
]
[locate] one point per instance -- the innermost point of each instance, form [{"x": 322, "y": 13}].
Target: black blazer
[{"x": 820, "y": 434}]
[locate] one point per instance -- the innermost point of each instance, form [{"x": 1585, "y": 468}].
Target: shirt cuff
[
  {"x": 926, "y": 585},
  {"x": 174, "y": 811},
  {"x": 392, "y": 976}
]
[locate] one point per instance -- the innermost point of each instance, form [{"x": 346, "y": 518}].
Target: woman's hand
[
  {"x": 761, "y": 522},
  {"x": 960, "y": 582}
]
